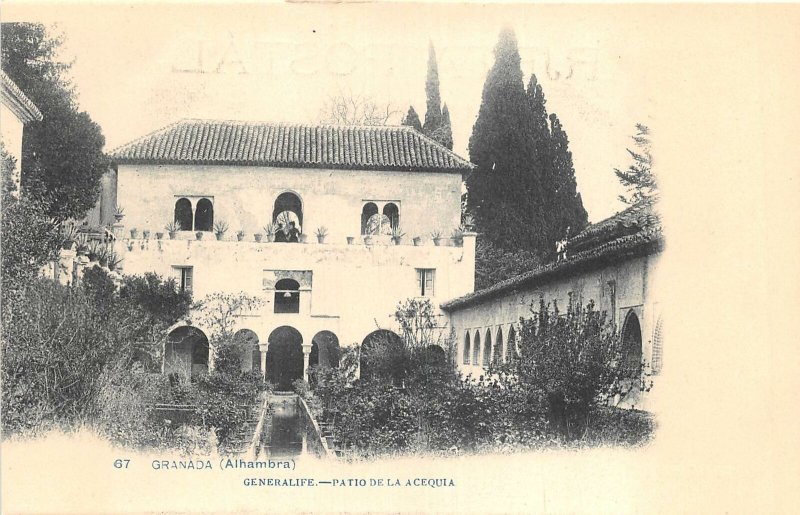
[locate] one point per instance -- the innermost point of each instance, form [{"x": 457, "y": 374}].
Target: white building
[
  {"x": 16, "y": 110},
  {"x": 353, "y": 181}
]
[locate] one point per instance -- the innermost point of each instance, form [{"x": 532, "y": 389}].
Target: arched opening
[
  {"x": 383, "y": 357},
  {"x": 487, "y": 349},
  {"x": 512, "y": 343},
  {"x": 632, "y": 341},
  {"x": 499, "y": 349},
  {"x": 183, "y": 214},
  {"x": 434, "y": 356},
  {"x": 466, "y": 349},
  {"x": 392, "y": 214},
  {"x": 284, "y": 357},
  {"x": 251, "y": 355},
  {"x": 288, "y": 208},
  {"x": 287, "y": 296},
  {"x": 367, "y": 212},
  {"x": 476, "y": 351},
  {"x": 204, "y": 215},
  {"x": 658, "y": 349},
  {"x": 186, "y": 352},
  {"x": 324, "y": 350}
]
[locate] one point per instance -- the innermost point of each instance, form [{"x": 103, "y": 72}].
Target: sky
[{"x": 139, "y": 68}]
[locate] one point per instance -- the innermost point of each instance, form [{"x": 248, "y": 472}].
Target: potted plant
[
  {"x": 82, "y": 249},
  {"x": 172, "y": 228},
  {"x": 93, "y": 251},
  {"x": 199, "y": 235},
  {"x": 351, "y": 239},
  {"x": 159, "y": 235},
  {"x": 70, "y": 235},
  {"x": 102, "y": 256},
  {"x": 303, "y": 237},
  {"x": 113, "y": 260},
  {"x": 436, "y": 236},
  {"x": 240, "y": 235},
  {"x": 119, "y": 212},
  {"x": 134, "y": 233},
  {"x": 367, "y": 239},
  {"x": 468, "y": 222},
  {"x": 258, "y": 236},
  {"x": 457, "y": 236},
  {"x": 322, "y": 232},
  {"x": 220, "y": 228},
  {"x": 146, "y": 233},
  {"x": 397, "y": 235},
  {"x": 269, "y": 230},
  {"x": 417, "y": 241}
]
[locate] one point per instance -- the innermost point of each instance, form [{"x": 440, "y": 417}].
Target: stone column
[
  {"x": 306, "y": 355},
  {"x": 263, "y": 349}
]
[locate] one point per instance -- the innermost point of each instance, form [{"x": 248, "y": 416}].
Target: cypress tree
[
  {"x": 444, "y": 133},
  {"x": 502, "y": 190},
  {"x": 567, "y": 211},
  {"x": 412, "y": 119},
  {"x": 433, "y": 112}
]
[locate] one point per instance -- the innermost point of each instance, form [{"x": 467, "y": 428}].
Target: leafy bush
[{"x": 573, "y": 364}]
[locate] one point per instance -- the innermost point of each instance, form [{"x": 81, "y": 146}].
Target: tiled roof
[
  {"x": 285, "y": 145},
  {"x": 19, "y": 102},
  {"x": 645, "y": 239}
]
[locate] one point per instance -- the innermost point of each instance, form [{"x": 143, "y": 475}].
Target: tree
[
  {"x": 62, "y": 156},
  {"x": 412, "y": 119},
  {"x": 433, "y": 111},
  {"x": 638, "y": 180},
  {"x": 502, "y": 190},
  {"x": 444, "y": 134},
  {"x": 574, "y": 362},
  {"x": 523, "y": 192},
  {"x": 348, "y": 108}
]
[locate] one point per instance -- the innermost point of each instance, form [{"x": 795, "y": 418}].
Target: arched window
[
  {"x": 476, "y": 351},
  {"x": 382, "y": 356},
  {"x": 287, "y": 296},
  {"x": 392, "y": 214},
  {"x": 288, "y": 208},
  {"x": 632, "y": 341},
  {"x": 186, "y": 352},
  {"x": 204, "y": 215},
  {"x": 499, "y": 350},
  {"x": 251, "y": 355},
  {"x": 367, "y": 212},
  {"x": 487, "y": 348},
  {"x": 324, "y": 350},
  {"x": 512, "y": 342},
  {"x": 183, "y": 214},
  {"x": 466, "y": 349}
]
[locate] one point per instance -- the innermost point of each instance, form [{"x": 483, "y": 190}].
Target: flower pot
[
  {"x": 134, "y": 234},
  {"x": 257, "y": 236},
  {"x": 320, "y": 239},
  {"x": 270, "y": 238},
  {"x": 239, "y": 236},
  {"x": 172, "y": 235},
  {"x": 417, "y": 241},
  {"x": 199, "y": 235},
  {"x": 437, "y": 241},
  {"x": 159, "y": 235},
  {"x": 397, "y": 239},
  {"x": 219, "y": 235},
  {"x": 146, "y": 234},
  {"x": 350, "y": 240},
  {"x": 303, "y": 238},
  {"x": 367, "y": 240},
  {"x": 118, "y": 218}
]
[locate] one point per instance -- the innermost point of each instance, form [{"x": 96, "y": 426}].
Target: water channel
[{"x": 288, "y": 432}]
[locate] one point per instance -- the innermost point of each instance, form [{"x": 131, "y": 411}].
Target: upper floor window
[
  {"x": 287, "y": 296},
  {"x": 185, "y": 277},
  {"x": 197, "y": 218},
  {"x": 425, "y": 281},
  {"x": 287, "y": 215},
  {"x": 379, "y": 218}
]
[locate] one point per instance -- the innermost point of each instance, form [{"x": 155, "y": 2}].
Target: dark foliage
[
  {"x": 62, "y": 157},
  {"x": 493, "y": 264},
  {"x": 412, "y": 119},
  {"x": 159, "y": 298},
  {"x": 523, "y": 193}
]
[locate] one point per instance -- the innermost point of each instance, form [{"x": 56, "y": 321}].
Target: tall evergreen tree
[
  {"x": 567, "y": 206},
  {"x": 433, "y": 112},
  {"x": 62, "y": 156},
  {"x": 412, "y": 119},
  {"x": 503, "y": 187},
  {"x": 638, "y": 180},
  {"x": 446, "y": 130}
]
